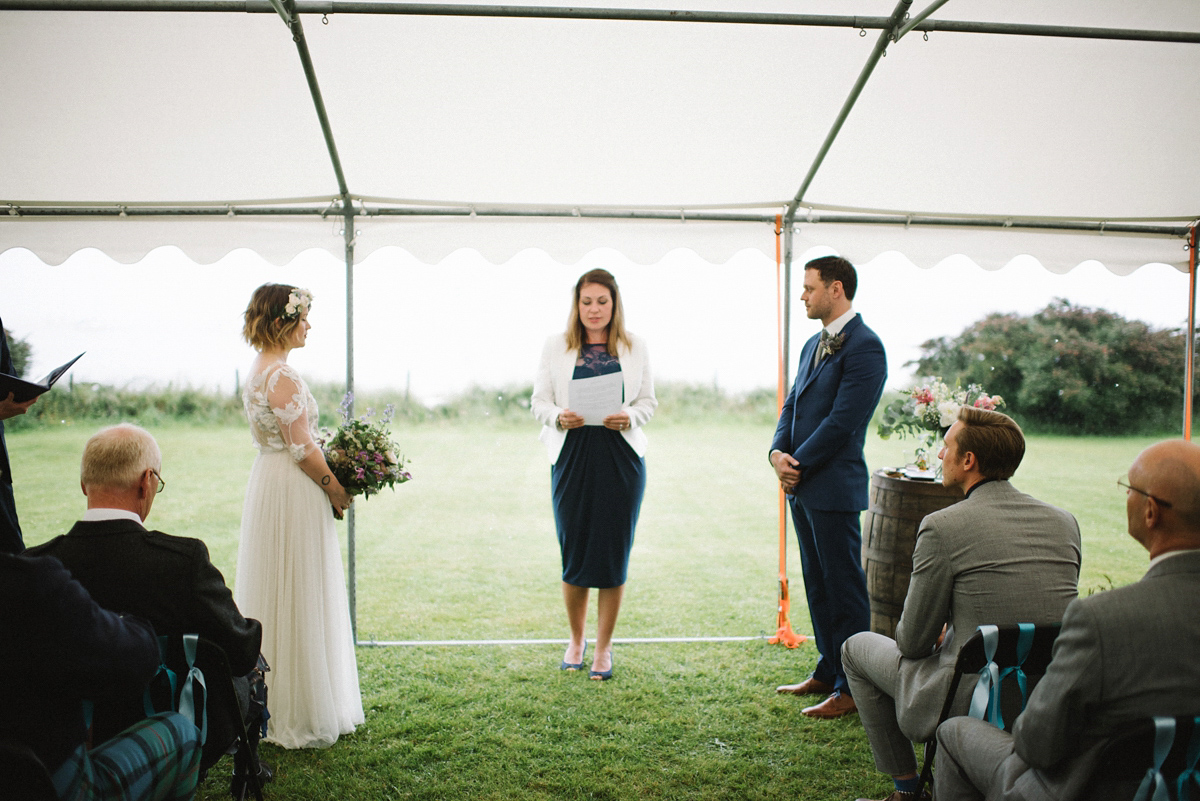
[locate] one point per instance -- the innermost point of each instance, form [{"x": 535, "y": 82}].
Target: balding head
[
  {"x": 1164, "y": 505},
  {"x": 120, "y": 469}
]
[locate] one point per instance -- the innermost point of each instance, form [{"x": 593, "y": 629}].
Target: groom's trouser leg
[{"x": 834, "y": 584}]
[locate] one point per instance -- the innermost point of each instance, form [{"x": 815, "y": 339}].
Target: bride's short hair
[{"x": 268, "y": 323}]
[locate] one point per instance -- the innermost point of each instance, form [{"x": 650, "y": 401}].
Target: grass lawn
[{"x": 466, "y": 551}]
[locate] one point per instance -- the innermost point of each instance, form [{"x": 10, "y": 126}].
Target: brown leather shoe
[
  {"x": 899, "y": 796},
  {"x": 835, "y": 706},
  {"x": 809, "y": 686}
]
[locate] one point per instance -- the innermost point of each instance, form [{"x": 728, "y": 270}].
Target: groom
[{"x": 818, "y": 457}]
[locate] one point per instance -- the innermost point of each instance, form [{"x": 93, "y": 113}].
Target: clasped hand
[
  {"x": 567, "y": 419},
  {"x": 787, "y": 469}
]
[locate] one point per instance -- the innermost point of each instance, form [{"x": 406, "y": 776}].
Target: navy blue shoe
[
  {"x": 603, "y": 675},
  {"x": 578, "y": 665}
]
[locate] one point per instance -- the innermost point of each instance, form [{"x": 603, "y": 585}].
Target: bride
[{"x": 289, "y": 572}]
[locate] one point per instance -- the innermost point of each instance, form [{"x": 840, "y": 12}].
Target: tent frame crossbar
[
  {"x": 386, "y": 7},
  {"x": 363, "y": 212}
]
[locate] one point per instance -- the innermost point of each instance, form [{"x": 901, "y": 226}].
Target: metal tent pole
[
  {"x": 877, "y": 53},
  {"x": 386, "y": 7},
  {"x": 352, "y": 579},
  {"x": 1189, "y": 380},
  {"x": 287, "y": 11}
]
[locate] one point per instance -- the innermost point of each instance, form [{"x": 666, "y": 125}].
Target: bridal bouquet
[
  {"x": 927, "y": 411},
  {"x": 361, "y": 453}
]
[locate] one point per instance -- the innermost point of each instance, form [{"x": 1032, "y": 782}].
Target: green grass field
[{"x": 466, "y": 551}]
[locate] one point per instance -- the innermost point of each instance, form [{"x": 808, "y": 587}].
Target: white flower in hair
[{"x": 298, "y": 302}]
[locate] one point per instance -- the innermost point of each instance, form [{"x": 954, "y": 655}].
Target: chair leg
[{"x": 926, "y": 779}]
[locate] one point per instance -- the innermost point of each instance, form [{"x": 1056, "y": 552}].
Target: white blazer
[{"x": 551, "y": 388}]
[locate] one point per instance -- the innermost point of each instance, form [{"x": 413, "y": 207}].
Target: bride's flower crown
[{"x": 297, "y": 303}]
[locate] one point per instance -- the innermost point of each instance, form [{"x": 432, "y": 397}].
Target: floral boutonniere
[{"x": 830, "y": 344}]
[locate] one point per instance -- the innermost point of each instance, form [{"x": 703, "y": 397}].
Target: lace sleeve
[{"x": 288, "y": 398}]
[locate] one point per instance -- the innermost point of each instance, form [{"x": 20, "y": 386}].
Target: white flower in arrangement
[
  {"x": 927, "y": 410},
  {"x": 948, "y": 412}
]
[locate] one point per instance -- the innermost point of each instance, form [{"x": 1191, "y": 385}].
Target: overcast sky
[{"x": 441, "y": 328}]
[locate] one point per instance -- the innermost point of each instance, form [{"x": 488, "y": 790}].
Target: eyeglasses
[
  {"x": 1122, "y": 483},
  {"x": 162, "y": 485}
]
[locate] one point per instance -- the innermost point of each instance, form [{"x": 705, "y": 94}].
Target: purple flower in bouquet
[{"x": 361, "y": 453}]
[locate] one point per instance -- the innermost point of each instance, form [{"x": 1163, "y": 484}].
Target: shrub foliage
[
  {"x": 1069, "y": 369},
  {"x": 21, "y": 351}
]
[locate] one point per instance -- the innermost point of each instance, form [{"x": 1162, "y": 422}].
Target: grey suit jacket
[
  {"x": 1124, "y": 654},
  {"x": 999, "y": 556}
]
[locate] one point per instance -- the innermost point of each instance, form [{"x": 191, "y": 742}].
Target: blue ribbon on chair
[
  {"x": 147, "y": 700},
  {"x": 985, "y": 700},
  {"x": 1189, "y": 777},
  {"x": 187, "y": 697},
  {"x": 1164, "y": 736},
  {"x": 1024, "y": 644}
]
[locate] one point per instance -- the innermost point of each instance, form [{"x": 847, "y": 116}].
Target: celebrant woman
[
  {"x": 289, "y": 572},
  {"x": 597, "y": 473}
]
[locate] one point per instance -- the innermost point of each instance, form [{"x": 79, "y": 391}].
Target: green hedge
[{"x": 102, "y": 404}]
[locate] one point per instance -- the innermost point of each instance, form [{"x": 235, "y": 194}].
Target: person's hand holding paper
[{"x": 597, "y": 398}]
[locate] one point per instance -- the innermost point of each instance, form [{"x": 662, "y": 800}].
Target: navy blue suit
[
  {"x": 10, "y": 528},
  {"x": 823, "y": 425}
]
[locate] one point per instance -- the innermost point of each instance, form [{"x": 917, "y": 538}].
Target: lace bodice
[{"x": 281, "y": 410}]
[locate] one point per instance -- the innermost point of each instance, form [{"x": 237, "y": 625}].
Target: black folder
[{"x": 23, "y": 390}]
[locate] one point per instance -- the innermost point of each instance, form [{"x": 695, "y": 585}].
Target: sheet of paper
[{"x": 595, "y": 398}]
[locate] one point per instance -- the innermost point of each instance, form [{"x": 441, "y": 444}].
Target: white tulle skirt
[{"x": 290, "y": 578}]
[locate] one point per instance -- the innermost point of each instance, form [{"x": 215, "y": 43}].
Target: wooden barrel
[{"x": 889, "y": 534}]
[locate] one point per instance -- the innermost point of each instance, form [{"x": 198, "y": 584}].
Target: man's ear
[
  {"x": 1153, "y": 514},
  {"x": 970, "y": 463}
]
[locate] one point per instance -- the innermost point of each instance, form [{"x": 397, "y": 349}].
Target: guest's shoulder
[
  {"x": 188, "y": 547},
  {"x": 47, "y": 548}
]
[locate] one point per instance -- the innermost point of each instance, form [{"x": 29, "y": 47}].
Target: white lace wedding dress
[{"x": 289, "y": 574}]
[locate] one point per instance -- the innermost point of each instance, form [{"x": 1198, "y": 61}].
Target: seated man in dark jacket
[
  {"x": 57, "y": 648},
  {"x": 167, "y": 580}
]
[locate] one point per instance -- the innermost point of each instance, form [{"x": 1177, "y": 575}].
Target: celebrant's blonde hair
[{"x": 577, "y": 334}]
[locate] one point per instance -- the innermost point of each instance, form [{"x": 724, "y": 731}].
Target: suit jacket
[
  {"x": 10, "y": 527},
  {"x": 6, "y": 366},
  {"x": 824, "y": 420},
  {"x": 551, "y": 390},
  {"x": 57, "y": 647},
  {"x": 164, "y": 579},
  {"x": 998, "y": 556},
  {"x": 1123, "y": 654}
]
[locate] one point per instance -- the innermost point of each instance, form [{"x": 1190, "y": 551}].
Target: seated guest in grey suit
[
  {"x": 1123, "y": 655},
  {"x": 998, "y": 556},
  {"x": 167, "y": 580}
]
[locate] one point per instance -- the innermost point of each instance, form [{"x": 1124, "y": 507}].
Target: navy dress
[{"x": 597, "y": 486}]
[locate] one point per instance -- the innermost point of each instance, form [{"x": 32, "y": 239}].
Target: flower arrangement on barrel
[
  {"x": 927, "y": 411},
  {"x": 361, "y": 453}
]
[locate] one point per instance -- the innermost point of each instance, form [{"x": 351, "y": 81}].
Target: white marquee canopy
[{"x": 131, "y": 124}]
